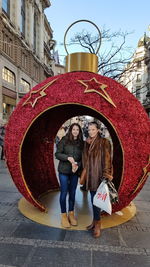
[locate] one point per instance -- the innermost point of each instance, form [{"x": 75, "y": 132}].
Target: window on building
[
  {"x": 22, "y": 26},
  {"x": 138, "y": 77},
  {"x": 25, "y": 86},
  {"x": 36, "y": 71},
  {"x": 8, "y": 75},
  {"x": 35, "y": 30},
  {"x": 138, "y": 92},
  {"x": 6, "y": 6},
  {"x": 7, "y": 44},
  {"x": 8, "y": 109},
  {"x": 24, "y": 60}
]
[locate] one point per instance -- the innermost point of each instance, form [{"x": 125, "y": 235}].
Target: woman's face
[
  {"x": 75, "y": 131},
  {"x": 92, "y": 130}
]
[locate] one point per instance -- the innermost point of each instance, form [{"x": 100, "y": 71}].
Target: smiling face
[
  {"x": 93, "y": 130},
  {"x": 75, "y": 131}
]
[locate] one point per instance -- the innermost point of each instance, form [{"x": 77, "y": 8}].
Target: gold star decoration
[
  {"x": 32, "y": 99},
  {"x": 146, "y": 171},
  {"x": 93, "y": 86}
]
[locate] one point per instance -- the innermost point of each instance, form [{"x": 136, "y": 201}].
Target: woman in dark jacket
[
  {"x": 69, "y": 154},
  {"x": 97, "y": 165}
]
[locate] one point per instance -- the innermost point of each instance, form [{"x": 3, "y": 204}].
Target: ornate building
[
  {"x": 26, "y": 50},
  {"x": 137, "y": 73},
  {"x": 147, "y": 61}
]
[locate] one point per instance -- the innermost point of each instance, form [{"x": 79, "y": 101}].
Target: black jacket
[{"x": 65, "y": 150}]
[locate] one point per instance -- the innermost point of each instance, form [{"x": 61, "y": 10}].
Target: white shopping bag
[{"x": 102, "y": 198}]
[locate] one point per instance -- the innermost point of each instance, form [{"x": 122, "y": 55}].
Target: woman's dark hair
[
  {"x": 69, "y": 135},
  {"x": 95, "y": 123}
]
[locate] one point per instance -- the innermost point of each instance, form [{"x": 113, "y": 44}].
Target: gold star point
[
  {"x": 41, "y": 92},
  {"x": 146, "y": 171},
  {"x": 100, "y": 90}
]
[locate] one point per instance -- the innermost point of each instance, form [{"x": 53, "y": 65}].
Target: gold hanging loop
[{"x": 83, "y": 20}]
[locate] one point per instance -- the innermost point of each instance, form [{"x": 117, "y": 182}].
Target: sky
[{"x": 128, "y": 16}]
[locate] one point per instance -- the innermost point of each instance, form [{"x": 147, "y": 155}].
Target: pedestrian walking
[
  {"x": 69, "y": 154},
  {"x": 61, "y": 133},
  {"x": 2, "y": 134},
  {"x": 97, "y": 165}
]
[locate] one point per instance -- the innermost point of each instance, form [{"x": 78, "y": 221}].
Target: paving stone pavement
[{"x": 24, "y": 243}]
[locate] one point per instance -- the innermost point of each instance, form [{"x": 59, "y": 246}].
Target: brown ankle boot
[
  {"x": 64, "y": 220},
  {"x": 71, "y": 218},
  {"x": 97, "y": 229},
  {"x": 91, "y": 226}
]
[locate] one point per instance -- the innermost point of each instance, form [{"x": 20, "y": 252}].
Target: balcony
[
  {"x": 47, "y": 50},
  {"x": 48, "y": 70}
]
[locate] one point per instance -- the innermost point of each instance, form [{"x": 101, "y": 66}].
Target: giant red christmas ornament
[{"x": 31, "y": 131}]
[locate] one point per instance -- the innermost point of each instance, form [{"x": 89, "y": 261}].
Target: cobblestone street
[{"x": 25, "y": 243}]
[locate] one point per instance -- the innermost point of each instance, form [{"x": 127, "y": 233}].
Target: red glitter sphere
[{"x": 32, "y": 128}]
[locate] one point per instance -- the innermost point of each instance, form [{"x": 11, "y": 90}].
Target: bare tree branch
[
  {"x": 115, "y": 58},
  {"x": 111, "y": 60}
]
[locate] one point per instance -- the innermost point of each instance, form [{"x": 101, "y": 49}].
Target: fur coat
[{"x": 97, "y": 161}]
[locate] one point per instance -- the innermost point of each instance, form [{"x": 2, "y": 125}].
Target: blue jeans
[
  {"x": 96, "y": 210},
  {"x": 68, "y": 184}
]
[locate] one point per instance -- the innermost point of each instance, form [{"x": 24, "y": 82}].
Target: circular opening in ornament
[
  {"x": 37, "y": 150},
  {"x": 83, "y": 121}
]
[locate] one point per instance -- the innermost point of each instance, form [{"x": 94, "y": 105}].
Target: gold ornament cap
[{"x": 82, "y": 61}]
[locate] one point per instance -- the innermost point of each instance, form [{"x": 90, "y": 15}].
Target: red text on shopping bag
[{"x": 102, "y": 196}]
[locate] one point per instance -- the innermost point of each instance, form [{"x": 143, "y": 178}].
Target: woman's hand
[
  {"x": 108, "y": 178},
  {"x": 74, "y": 167},
  {"x": 71, "y": 160},
  {"x": 74, "y": 164}
]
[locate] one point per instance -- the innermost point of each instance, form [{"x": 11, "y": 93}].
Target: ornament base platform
[{"x": 83, "y": 211}]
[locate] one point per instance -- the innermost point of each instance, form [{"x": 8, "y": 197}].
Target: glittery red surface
[{"x": 31, "y": 132}]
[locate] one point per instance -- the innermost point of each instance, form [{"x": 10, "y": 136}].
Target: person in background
[
  {"x": 85, "y": 131},
  {"x": 2, "y": 134},
  {"x": 60, "y": 134},
  {"x": 97, "y": 165},
  {"x": 69, "y": 154},
  {"x": 85, "y": 136}
]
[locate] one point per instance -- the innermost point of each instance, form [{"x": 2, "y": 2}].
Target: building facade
[
  {"x": 137, "y": 73},
  {"x": 56, "y": 66},
  {"x": 147, "y": 61},
  {"x": 26, "y": 50}
]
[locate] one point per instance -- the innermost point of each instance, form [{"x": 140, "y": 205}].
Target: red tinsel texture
[{"x": 33, "y": 125}]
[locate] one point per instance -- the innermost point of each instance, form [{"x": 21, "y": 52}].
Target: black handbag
[{"x": 112, "y": 191}]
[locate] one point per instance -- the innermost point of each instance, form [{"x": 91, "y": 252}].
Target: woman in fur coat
[{"x": 97, "y": 165}]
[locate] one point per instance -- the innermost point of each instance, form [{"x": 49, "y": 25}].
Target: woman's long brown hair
[{"x": 69, "y": 135}]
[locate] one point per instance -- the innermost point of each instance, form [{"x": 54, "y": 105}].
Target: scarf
[{"x": 92, "y": 162}]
